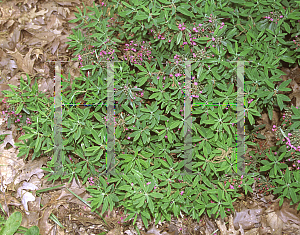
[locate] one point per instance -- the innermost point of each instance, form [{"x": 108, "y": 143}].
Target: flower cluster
[
  {"x": 274, "y": 17},
  {"x": 136, "y": 56},
  {"x": 11, "y": 114},
  {"x": 161, "y": 35},
  {"x": 249, "y": 102},
  {"x": 92, "y": 54},
  {"x": 90, "y": 179},
  {"x": 204, "y": 30}
]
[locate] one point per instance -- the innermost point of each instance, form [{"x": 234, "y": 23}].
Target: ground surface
[{"x": 33, "y": 32}]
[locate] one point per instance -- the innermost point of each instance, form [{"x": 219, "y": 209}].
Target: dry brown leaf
[
  {"x": 78, "y": 190},
  {"x": 25, "y": 195},
  {"x": 275, "y": 223},
  {"x": 31, "y": 168},
  {"x": 8, "y": 200},
  {"x": 44, "y": 226},
  {"x": 247, "y": 218},
  {"x": 68, "y": 3},
  {"x": 297, "y": 96},
  {"x": 31, "y": 15},
  {"x": 9, "y": 164},
  {"x": 3, "y": 87},
  {"x": 18, "y": 56},
  {"x": 288, "y": 212},
  {"x": 28, "y": 63}
]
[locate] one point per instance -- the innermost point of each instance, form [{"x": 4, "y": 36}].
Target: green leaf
[
  {"x": 156, "y": 195},
  {"x": 150, "y": 204},
  {"x": 141, "y": 16},
  {"x": 185, "y": 11},
  {"x": 251, "y": 119},
  {"x": 92, "y": 148},
  {"x": 287, "y": 27},
  {"x": 127, "y": 157},
  {"x": 179, "y": 37},
  {"x": 246, "y": 51},
  {"x": 266, "y": 167},
  {"x": 174, "y": 124},
  {"x": 280, "y": 99},
  {"x": 131, "y": 215},
  {"x": 88, "y": 67},
  {"x": 231, "y": 51},
  {"x": 142, "y": 80},
  {"x": 34, "y": 230},
  {"x": 12, "y": 224},
  {"x": 141, "y": 202},
  {"x": 293, "y": 195},
  {"x": 284, "y": 84},
  {"x": 37, "y": 144},
  {"x": 281, "y": 201},
  {"x": 288, "y": 59},
  {"x": 140, "y": 67},
  {"x": 295, "y": 15},
  {"x": 19, "y": 108},
  {"x": 269, "y": 83},
  {"x": 206, "y": 181},
  {"x": 127, "y": 109},
  {"x": 26, "y": 136}
]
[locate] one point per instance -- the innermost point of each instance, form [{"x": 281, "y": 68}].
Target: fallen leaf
[{"x": 26, "y": 196}]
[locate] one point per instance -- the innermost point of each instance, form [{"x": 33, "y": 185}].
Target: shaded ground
[{"x": 33, "y": 32}]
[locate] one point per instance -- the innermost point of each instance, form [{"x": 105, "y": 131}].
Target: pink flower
[
  {"x": 148, "y": 183},
  {"x": 128, "y": 138},
  {"x": 231, "y": 187},
  {"x": 181, "y": 193},
  {"x": 195, "y": 83},
  {"x": 213, "y": 38}
]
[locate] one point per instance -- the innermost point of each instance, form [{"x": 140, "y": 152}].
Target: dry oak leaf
[
  {"x": 31, "y": 168},
  {"x": 9, "y": 164},
  {"x": 31, "y": 15}
]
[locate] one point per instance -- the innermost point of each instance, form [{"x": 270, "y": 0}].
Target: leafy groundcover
[{"x": 152, "y": 40}]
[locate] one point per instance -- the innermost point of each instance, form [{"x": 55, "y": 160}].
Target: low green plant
[
  {"x": 13, "y": 226},
  {"x": 150, "y": 86}
]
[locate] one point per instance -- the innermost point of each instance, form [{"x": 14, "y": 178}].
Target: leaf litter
[{"x": 33, "y": 33}]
